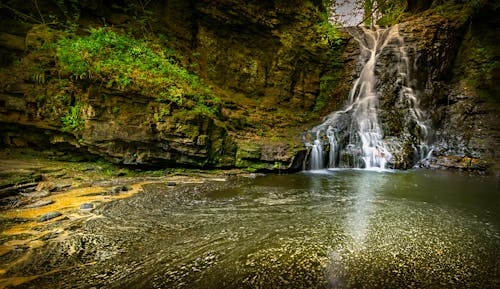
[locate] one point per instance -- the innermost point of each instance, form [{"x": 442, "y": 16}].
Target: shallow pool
[{"x": 323, "y": 229}]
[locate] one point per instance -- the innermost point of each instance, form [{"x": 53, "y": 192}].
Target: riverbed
[{"x": 321, "y": 229}]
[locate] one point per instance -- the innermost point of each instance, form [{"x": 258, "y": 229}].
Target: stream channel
[{"x": 321, "y": 229}]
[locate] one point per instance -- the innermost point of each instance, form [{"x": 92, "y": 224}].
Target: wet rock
[
  {"x": 455, "y": 163},
  {"x": 28, "y": 189},
  {"x": 39, "y": 194},
  {"x": 115, "y": 190},
  {"x": 40, "y": 203},
  {"x": 86, "y": 207},
  {"x": 48, "y": 216},
  {"x": 10, "y": 190},
  {"x": 18, "y": 220},
  {"x": 61, "y": 187},
  {"x": 119, "y": 189},
  {"x": 104, "y": 193},
  {"x": 50, "y": 236},
  {"x": 286, "y": 69},
  {"x": 47, "y": 186},
  {"x": 9, "y": 202},
  {"x": 52, "y": 186}
]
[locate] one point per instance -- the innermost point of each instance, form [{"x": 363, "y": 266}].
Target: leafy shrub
[
  {"x": 124, "y": 63},
  {"x": 329, "y": 34},
  {"x": 392, "y": 12},
  {"x": 73, "y": 121}
]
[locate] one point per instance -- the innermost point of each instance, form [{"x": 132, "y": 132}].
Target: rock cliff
[
  {"x": 264, "y": 60},
  {"x": 457, "y": 66},
  {"x": 273, "y": 65}
]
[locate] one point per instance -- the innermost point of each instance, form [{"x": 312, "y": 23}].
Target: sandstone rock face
[
  {"x": 268, "y": 52},
  {"x": 132, "y": 136},
  {"x": 261, "y": 50}
]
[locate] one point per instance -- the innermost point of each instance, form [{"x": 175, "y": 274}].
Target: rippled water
[{"x": 327, "y": 229}]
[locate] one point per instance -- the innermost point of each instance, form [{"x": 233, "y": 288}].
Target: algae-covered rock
[{"x": 48, "y": 216}]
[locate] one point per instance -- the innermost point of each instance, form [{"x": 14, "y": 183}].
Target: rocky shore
[{"x": 43, "y": 199}]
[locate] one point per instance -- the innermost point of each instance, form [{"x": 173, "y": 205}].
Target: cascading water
[
  {"x": 317, "y": 154},
  {"x": 354, "y": 136}
]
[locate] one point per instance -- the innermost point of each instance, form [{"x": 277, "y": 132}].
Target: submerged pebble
[{"x": 86, "y": 206}]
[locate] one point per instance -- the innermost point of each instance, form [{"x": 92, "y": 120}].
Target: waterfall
[
  {"x": 354, "y": 136},
  {"x": 332, "y": 141},
  {"x": 317, "y": 154}
]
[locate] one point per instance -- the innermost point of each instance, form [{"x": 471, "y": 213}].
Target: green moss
[
  {"x": 455, "y": 9},
  {"x": 327, "y": 85},
  {"x": 478, "y": 63},
  {"x": 252, "y": 167},
  {"x": 41, "y": 99},
  {"x": 13, "y": 179}
]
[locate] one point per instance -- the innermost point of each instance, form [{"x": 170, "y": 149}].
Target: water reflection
[
  {"x": 358, "y": 219},
  {"x": 362, "y": 197},
  {"x": 319, "y": 182}
]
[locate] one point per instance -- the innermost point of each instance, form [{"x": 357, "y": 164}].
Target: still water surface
[{"x": 324, "y": 229}]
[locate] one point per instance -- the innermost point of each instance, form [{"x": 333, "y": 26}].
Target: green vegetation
[
  {"x": 454, "y": 9},
  {"x": 73, "y": 121},
  {"x": 38, "y": 75},
  {"x": 392, "y": 12},
  {"x": 479, "y": 62},
  {"x": 330, "y": 35},
  {"x": 144, "y": 67},
  {"x": 327, "y": 84}
]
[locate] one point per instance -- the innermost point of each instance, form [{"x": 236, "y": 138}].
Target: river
[{"x": 321, "y": 229}]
